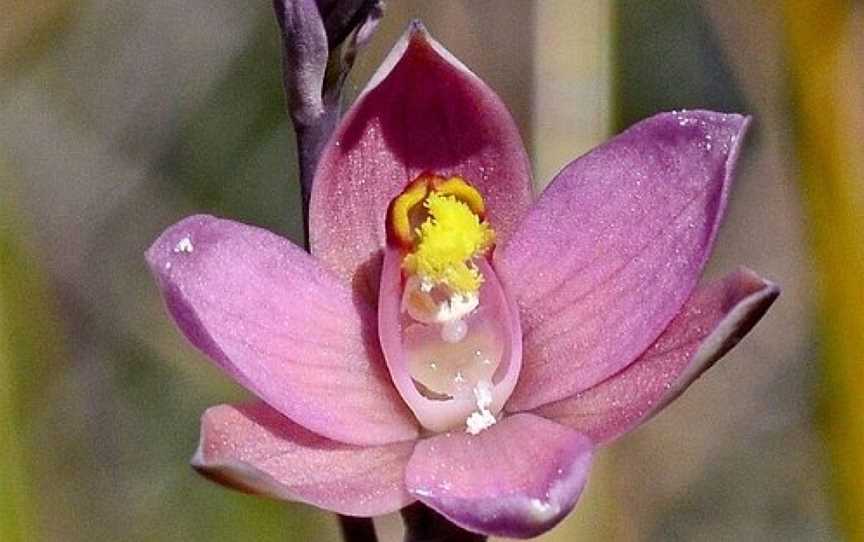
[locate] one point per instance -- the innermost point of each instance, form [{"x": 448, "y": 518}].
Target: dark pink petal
[
  {"x": 518, "y": 478},
  {"x": 255, "y": 449},
  {"x": 495, "y": 306},
  {"x": 281, "y": 325},
  {"x": 612, "y": 249},
  {"x": 712, "y": 321},
  {"x": 422, "y": 111}
]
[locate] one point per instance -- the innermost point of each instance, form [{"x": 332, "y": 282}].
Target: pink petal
[
  {"x": 281, "y": 325},
  {"x": 612, "y": 249},
  {"x": 255, "y": 449},
  {"x": 518, "y": 478},
  {"x": 712, "y": 321},
  {"x": 442, "y": 415},
  {"x": 422, "y": 111}
]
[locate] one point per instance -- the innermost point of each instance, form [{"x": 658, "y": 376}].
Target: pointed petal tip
[
  {"x": 743, "y": 313},
  {"x": 754, "y": 294},
  {"x": 170, "y": 243},
  {"x": 415, "y": 34},
  {"x": 732, "y": 126},
  {"x": 416, "y": 40},
  {"x": 229, "y": 472},
  {"x": 234, "y": 475},
  {"x": 197, "y": 459},
  {"x": 758, "y": 282},
  {"x": 416, "y": 29}
]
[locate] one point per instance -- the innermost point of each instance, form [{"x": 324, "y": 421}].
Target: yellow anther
[
  {"x": 450, "y": 237},
  {"x": 439, "y": 224}
]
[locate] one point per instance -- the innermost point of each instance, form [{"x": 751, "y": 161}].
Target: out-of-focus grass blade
[
  {"x": 24, "y": 317},
  {"x": 231, "y": 154},
  {"x": 28, "y": 30},
  {"x": 16, "y": 522},
  {"x": 825, "y": 46},
  {"x": 25, "y": 314}
]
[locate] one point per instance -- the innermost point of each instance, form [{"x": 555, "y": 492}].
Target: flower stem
[
  {"x": 422, "y": 524},
  {"x": 357, "y": 529},
  {"x": 320, "y": 41},
  {"x": 311, "y": 139}
]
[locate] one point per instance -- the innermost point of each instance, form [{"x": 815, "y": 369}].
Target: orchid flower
[{"x": 452, "y": 339}]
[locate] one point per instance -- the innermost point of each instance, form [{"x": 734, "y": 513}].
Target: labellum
[{"x": 449, "y": 332}]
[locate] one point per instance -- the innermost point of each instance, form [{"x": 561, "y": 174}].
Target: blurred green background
[{"x": 117, "y": 118}]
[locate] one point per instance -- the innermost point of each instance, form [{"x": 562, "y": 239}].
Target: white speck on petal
[
  {"x": 483, "y": 394},
  {"x": 478, "y": 421},
  {"x": 184, "y": 245},
  {"x": 543, "y": 511},
  {"x": 482, "y": 418}
]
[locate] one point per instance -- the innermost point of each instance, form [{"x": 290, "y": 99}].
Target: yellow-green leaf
[{"x": 825, "y": 47}]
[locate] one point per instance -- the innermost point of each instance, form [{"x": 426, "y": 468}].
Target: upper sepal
[{"x": 423, "y": 111}]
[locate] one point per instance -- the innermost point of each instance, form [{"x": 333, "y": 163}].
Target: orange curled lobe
[{"x": 407, "y": 211}]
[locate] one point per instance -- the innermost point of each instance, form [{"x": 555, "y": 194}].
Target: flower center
[{"x": 453, "y": 342}]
